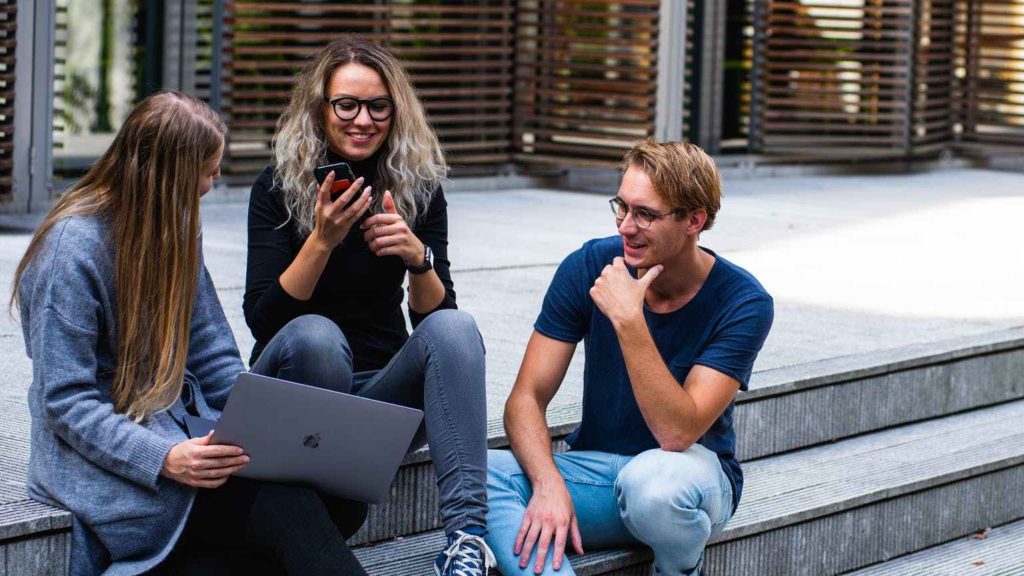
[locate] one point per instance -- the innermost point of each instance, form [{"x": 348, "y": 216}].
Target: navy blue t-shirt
[{"x": 722, "y": 327}]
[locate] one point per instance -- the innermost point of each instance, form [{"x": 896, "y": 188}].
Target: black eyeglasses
[
  {"x": 642, "y": 217},
  {"x": 347, "y": 108}
]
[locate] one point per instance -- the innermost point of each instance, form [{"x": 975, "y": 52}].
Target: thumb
[
  {"x": 389, "y": 203},
  {"x": 650, "y": 275},
  {"x": 323, "y": 192},
  {"x": 204, "y": 440},
  {"x": 577, "y": 541}
]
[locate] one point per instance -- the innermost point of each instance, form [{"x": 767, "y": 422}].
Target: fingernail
[{"x": 367, "y": 189}]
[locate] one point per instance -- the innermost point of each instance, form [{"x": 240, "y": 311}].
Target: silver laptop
[{"x": 338, "y": 443}]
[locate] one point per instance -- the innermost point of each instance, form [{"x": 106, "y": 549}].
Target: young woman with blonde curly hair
[{"x": 328, "y": 273}]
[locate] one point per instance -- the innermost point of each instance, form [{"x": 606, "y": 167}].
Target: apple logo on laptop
[{"x": 311, "y": 441}]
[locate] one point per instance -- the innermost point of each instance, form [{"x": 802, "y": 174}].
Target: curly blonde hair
[{"x": 411, "y": 164}]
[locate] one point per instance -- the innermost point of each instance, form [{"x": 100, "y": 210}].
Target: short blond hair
[{"x": 682, "y": 174}]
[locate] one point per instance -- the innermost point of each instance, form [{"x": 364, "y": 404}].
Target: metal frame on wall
[{"x": 32, "y": 109}]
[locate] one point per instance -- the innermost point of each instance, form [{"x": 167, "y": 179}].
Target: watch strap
[{"x": 426, "y": 266}]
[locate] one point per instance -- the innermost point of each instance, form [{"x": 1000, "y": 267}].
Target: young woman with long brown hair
[
  {"x": 331, "y": 274},
  {"x": 127, "y": 336}
]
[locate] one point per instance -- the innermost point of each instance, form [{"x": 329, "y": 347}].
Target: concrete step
[
  {"x": 841, "y": 506},
  {"x": 847, "y": 396},
  {"x": 998, "y": 551}
]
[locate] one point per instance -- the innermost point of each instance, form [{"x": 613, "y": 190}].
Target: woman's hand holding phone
[
  {"x": 200, "y": 464},
  {"x": 335, "y": 218}
]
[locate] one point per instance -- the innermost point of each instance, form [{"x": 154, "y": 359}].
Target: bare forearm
[
  {"x": 667, "y": 408},
  {"x": 527, "y": 429},
  {"x": 300, "y": 278},
  {"x": 425, "y": 291}
]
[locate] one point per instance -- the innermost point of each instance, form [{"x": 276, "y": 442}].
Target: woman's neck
[{"x": 367, "y": 167}]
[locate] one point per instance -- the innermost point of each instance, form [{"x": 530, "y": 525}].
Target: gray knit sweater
[{"x": 85, "y": 456}]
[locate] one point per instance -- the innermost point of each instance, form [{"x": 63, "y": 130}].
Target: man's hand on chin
[{"x": 619, "y": 296}]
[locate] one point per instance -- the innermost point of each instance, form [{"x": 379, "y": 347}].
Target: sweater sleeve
[
  {"x": 266, "y": 305},
  {"x": 432, "y": 230},
  {"x": 66, "y": 326},
  {"x": 212, "y": 352}
]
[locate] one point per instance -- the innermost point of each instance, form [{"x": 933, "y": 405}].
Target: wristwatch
[{"x": 426, "y": 266}]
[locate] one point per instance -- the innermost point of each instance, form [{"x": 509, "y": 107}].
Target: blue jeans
[
  {"x": 671, "y": 501},
  {"x": 439, "y": 370}
]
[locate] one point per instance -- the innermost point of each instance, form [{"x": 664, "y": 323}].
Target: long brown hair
[
  {"x": 146, "y": 187},
  {"x": 411, "y": 164}
]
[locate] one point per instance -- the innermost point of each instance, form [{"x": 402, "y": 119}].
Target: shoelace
[{"x": 469, "y": 560}]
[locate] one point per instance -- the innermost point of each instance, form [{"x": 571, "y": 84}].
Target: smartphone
[{"x": 343, "y": 178}]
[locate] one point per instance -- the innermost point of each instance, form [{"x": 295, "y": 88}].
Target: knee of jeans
[
  {"x": 650, "y": 485},
  {"x": 451, "y": 329},
  {"x": 314, "y": 335}
]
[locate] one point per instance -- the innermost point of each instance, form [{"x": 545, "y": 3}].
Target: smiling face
[
  {"x": 664, "y": 240},
  {"x": 359, "y": 138}
]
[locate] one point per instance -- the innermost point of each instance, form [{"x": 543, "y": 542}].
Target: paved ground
[{"x": 856, "y": 264}]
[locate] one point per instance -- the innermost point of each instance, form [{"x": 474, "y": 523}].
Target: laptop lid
[{"x": 341, "y": 444}]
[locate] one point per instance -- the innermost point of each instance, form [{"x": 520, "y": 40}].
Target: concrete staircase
[{"x": 849, "y": 463}]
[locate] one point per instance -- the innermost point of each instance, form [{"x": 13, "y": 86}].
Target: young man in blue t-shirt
[{"x": 671, "y": 332}]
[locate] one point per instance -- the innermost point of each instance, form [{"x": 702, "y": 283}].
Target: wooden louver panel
[
  {"x": 586, "y": 75},
  {"x": 833, "y": 76},
  {"x": 932, "y": 99},
  {"x": 458, "y": 54},
  {"x": 8, "y": 18},
  {"x": 993, "y": 107}
]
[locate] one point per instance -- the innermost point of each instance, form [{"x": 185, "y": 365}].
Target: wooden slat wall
[
  {"x": 8, "y": 20},
  {"x": 932, "y": 102},
  {"x": 459, "y": 54},
  {"x": 204, "y": 48},
  {"x": 60, "y": 79},
  {"x": 586, "y": 76},
  {"x": 694, "y": 46},
  {"x": 833, "y": 76},
  {"x": 993, "y": 92}
]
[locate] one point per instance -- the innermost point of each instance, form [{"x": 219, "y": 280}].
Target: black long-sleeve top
[{"x": 360, "y": 292}]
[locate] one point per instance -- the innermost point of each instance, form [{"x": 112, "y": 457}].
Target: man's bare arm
[
  {"x": 677, "y": 415},
  {"x": 550, "y": 514}
]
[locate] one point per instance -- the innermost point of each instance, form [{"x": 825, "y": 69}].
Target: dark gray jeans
[{"x": 439, "y": 370}]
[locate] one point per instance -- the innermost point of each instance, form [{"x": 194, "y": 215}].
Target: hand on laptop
[{"x": 199, "y": 464}]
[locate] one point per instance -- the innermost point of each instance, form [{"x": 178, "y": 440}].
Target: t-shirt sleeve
[
  {"x": 736, "y": 342},
  {"x": 565, "y": 314}
]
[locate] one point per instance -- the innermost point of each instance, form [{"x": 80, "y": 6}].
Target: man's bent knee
[{"x": 658, "y": 489}]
